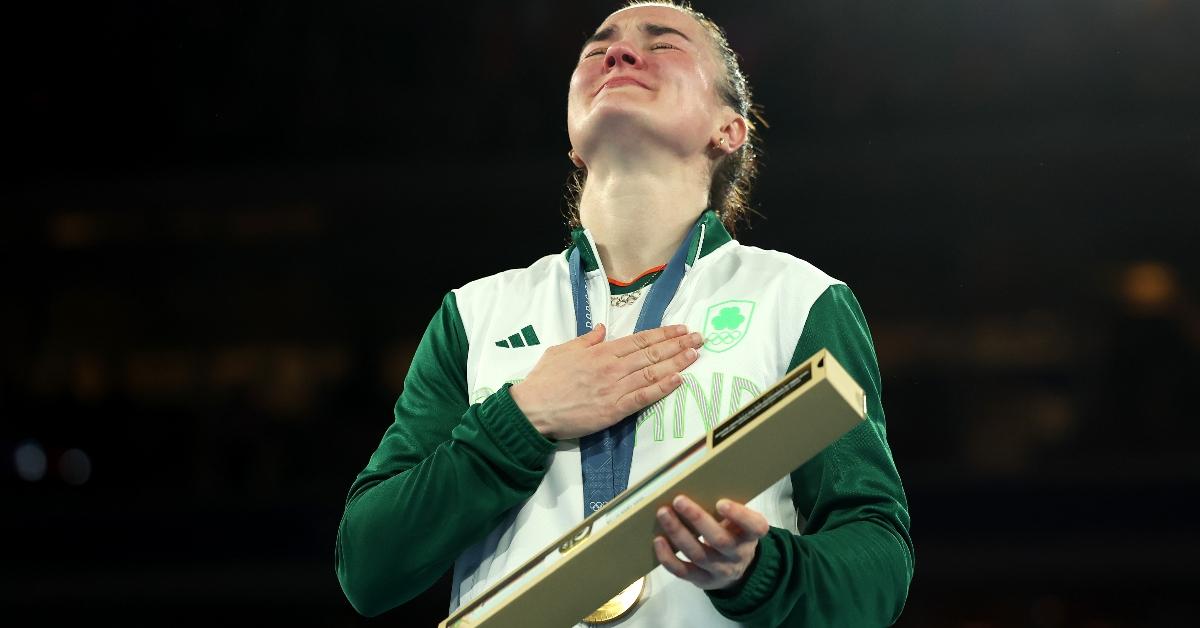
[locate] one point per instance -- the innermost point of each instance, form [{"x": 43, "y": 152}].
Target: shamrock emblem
[
  {"x": 726, "y": 323},
  {"x": 729, "y": 318}
]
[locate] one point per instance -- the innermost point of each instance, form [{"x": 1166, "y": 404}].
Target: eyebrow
[{"x": 654, "y": 30}]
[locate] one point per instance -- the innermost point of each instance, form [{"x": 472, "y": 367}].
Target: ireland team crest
[{"x": 726, "y": 324}]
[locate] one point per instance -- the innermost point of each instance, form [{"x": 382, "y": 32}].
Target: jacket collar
[{"x": 714, "y": 235}]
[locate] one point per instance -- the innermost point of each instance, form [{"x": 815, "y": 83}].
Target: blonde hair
[{"x": 733, "y": 174}]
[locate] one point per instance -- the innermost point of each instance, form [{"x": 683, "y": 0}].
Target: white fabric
[{"x": 782, "y": 289}]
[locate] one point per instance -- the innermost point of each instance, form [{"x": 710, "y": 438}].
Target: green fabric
[
  {"x": 441, "y": 479},
  {"x": 853, "y": 561},
  {"x": 715, "y": 235},
  {"x": 851, "y": 566}
]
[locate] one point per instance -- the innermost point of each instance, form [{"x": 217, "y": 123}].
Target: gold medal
[{"x": 620, "y": 605}]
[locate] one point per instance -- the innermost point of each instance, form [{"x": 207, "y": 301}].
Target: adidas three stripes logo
[{"x": 525, "y": 338}]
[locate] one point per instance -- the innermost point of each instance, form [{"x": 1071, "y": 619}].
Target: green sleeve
[
  {"x": 441, "y": 479},
  {"x": 853, "y": 562}
]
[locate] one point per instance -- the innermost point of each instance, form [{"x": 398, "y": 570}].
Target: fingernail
[
  {"x": 723, "y": 506},
  {"x": 692, "y": 353},
  {"x": 678, "y": 502},
  {"x": 697, "y": 338},
  {"x": 662, "y": 513},
  {"x": 681, "y": 329}
]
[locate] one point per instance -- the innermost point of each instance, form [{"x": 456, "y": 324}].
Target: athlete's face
[{"x": 648, "y": 72}]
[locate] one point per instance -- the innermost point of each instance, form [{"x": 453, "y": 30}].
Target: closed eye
[{"x": 662, "y": 45}]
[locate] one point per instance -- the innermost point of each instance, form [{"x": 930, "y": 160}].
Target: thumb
[{"x": 595, "y": 336}]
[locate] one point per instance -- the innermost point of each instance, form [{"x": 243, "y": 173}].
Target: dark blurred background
[{"x": 227, "y": 223}]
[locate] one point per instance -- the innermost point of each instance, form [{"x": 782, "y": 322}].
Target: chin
[{"x": 618, "y": 118}]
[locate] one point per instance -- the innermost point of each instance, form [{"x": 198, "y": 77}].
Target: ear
[{"x": 734, "y": 132}]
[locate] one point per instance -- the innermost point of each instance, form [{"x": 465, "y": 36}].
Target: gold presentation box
[{"x": 772, "y": 435}]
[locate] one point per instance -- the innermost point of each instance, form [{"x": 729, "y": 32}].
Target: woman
[{"x": 513, "y": 421}]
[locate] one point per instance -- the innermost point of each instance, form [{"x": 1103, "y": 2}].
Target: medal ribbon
[{"x": 606, "y": 456}]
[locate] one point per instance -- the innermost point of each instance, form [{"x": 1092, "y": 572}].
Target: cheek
[
  {"x": 701, "y": 85},
  {"x": 575, "y": 90},
  {"x": 696, "y": 94},
  {"x": 578, "y": 92},
  {"x": 581, "y": 78}
]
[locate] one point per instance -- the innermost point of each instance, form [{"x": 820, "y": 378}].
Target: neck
[{"x": 639, "y": 216}]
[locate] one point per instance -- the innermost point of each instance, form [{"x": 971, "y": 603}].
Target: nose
[{"x": 621, "y": 54}]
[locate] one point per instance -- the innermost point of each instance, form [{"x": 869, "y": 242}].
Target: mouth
[{"x": 617, "y": 81}]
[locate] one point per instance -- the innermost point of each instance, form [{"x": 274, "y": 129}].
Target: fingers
[
  {"x": 644, "y": 367},
  {"x": 666, "y": 556},
  {"x": 640, "y": 398},
  {"x": 663, "y": 351},
  {"x": 715, "y": 554},
  {"x": 716, "y": 536},
  {"x": 682, "y": 538},
  {"x": 645, "y": 339},
  {"x": 656, "y": 362},
  {"x": 595, "y": 336},
  {"x": 654, "y": 373},
  {"x": 752, "y": 523}
]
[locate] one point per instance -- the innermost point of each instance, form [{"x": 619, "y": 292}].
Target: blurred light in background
[
  {"x": 30, "y": 461},
  {"x": 1149, "y": 287},
  {"x": 74, "y": 466}
]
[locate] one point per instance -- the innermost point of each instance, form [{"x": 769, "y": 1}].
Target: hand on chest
[{"x": 733, "y": 368}]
